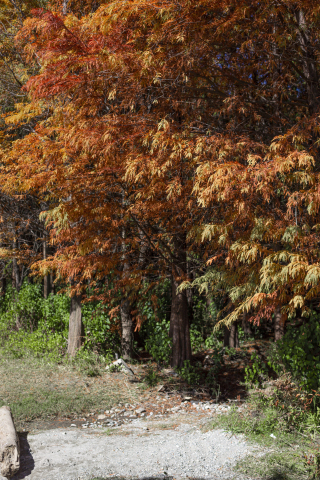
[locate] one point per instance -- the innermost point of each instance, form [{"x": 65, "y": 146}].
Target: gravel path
[{"x": 142, "y": 449}]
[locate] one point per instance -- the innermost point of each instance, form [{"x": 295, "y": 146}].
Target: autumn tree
[{"x": 187, "y": 127}]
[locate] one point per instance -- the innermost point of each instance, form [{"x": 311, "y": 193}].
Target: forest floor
[{"x": 78, "y": 427}]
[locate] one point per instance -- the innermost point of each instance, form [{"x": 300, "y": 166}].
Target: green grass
[
  {"x": 37, "y": 389},
  {"x": 292, "y": 455}
]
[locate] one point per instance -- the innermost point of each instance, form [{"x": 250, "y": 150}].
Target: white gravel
[{"x": 76, "y": 454}]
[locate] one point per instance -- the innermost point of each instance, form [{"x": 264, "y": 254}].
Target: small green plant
[
  {"x": 258, "y": 371},
  {"x": 114, "y": 368},
  {"x": 213, "y": 342},
  {"x": 190, "y": 373},
  {"x": 196, "y": 339},
  {"x": 151, "y": 378},
  {"x": 212, "y": 375},
  {"x": 312, "y": 465}
]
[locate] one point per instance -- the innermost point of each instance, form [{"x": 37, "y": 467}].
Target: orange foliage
[{"x": 179, "y": 128}]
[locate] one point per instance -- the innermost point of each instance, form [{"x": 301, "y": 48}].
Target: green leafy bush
[
  {"x": 31, "y": 323},
  {"x": 196, "y": 339},
  {"x": 190, "y": 373},
  {"x": 151, "y": 378},
  {"x": 257, "y": 372},
  {"x": 299, "y": 350},
  {"x": 100, "y": 333},
  {"x": 157, "y": 342}
]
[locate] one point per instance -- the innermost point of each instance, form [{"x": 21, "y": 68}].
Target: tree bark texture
[
  {"x": 179, "y": 327},
  {"x": 9, "y": 444},
  {"x": 234, "y": 337},
  {"x": 3, "y": 286},
  {"x": 226, "y": 336},
  {"x": 75, "y": 326},
  {"x": 46, "y": 278},
  {"x": 278, "y": 324},
  {"x": 309, "y": 62},
  {"x": 126, "y": 330}
]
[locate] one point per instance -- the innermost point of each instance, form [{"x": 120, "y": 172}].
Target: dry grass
[{"x": 36, "y": 389}]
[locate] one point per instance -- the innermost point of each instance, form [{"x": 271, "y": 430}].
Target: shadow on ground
[{"x": 26, "y": 458}]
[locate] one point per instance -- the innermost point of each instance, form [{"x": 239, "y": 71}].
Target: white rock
[
  {"x": 121, "y": 364},
  {"x": 101, "y": 417},
  {"x": 140, "y": 410}
]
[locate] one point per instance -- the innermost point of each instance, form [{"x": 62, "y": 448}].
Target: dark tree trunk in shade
[
  {"x": 278, "y": 324},
  {"x": 246, "y": 326},
  {"x": 75, "y": 336},
  {"x": 234, "y": 337},
  {"x": 126, "y": 329},
  {"x": 3, "y": 286},
  {"x": 226, "y": 336},
  {"x": 16, "y": 283},
  {"x": 46, "y": 278},
  {"x": 179, "y": 327}
]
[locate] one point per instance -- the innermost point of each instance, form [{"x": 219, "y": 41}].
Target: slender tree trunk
[
  {"x": 3, "y": 286},
  {"x": 46, "y": 278},
  {"x": 234, "y": 337},
  {"x": 309, "y": 62},
  {"x": 246, "y": 326},
  {"x": 75, "y": 326},
  {"x": 278, "y": 324},
  {"x": 226, "y": 336},
  {"x": 15, "y": 269},
  {"x": 179, "y": 327},
  {"x": 16, "y": 282},
  {"x": 126, "y": 330}
]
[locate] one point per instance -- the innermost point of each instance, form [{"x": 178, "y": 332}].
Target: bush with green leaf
[
  {"x": 192, "y": 374},
  {"x": 257, "y": 372},
  {"x": 299, "y": 350}
]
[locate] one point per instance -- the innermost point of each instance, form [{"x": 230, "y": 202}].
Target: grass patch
[
  {"x": 289, "y": 435},
  {"x": 37, "y": 389}
]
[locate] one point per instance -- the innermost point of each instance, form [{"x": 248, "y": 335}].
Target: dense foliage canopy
[{"x": 167, "y": 139}]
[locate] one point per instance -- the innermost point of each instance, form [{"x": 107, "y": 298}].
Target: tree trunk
[
  {"x": 309, "y": 62},
  {"x": 75, "y": 326},
  {"x": 246, "y": 326},
  {"x": 3, "y": 286},
  {"x": 179, "y": 327},
  {"x": 47, "y": 278},
  {"x": 126, "y": 330},
  {"x": 15, "y": 270},
  {"x": 278, "y": 324},
  {"x": 226, "y": 336},
  {"x": 234, "y": 337}
]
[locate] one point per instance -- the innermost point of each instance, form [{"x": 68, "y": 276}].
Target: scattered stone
[
  {"x": 140, "y": 410},
  {"x": 102, "y": 417},
  {"x": 73, "y": 425},
  {"x": 121, "y": 364}
]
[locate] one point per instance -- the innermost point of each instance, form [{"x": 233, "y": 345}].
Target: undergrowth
[{"x": 285, "y": 421}]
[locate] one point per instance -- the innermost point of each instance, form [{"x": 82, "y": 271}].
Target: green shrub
[
  {"x": 196, "y": 339},
  {"x": 151, "y": 378},
  {"x": 100, "y": 334},
  {"x": 299, "y": 350},
  {"x": 157, "y": 342},
  {"x": 190, "y": 373},
  {"x": 31, "y": 323},
  {"x": 257, "y": 372}
]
